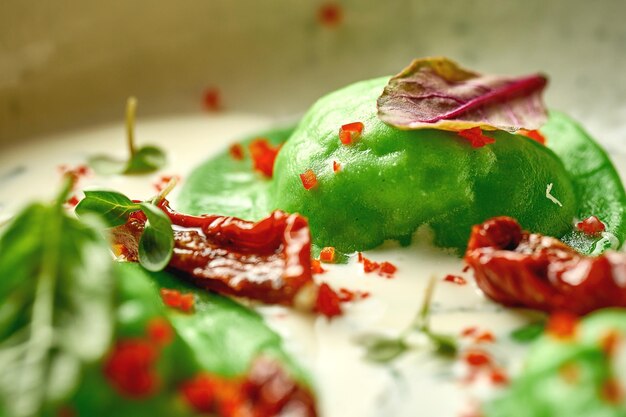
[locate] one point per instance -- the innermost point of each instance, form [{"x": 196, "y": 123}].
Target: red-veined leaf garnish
[{"x": 436, "y": 93}]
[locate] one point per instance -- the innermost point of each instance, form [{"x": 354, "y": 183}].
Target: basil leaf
[
  {"x": 146, "y": 159},
  {"x": 112, "y": 206},
  {"x": 56, "y": 287},
  {"x": 157, "y": 241}
]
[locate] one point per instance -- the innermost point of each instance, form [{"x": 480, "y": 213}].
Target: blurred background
[{"x": 72, "y": 63}]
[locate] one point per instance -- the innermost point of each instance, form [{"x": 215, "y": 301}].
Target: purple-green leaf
[{"x": 436, "y": 93}]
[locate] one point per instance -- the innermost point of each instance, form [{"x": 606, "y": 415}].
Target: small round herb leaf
[
  {"x": 382, "y": 349},
  {"x": 106, "y": 165},
  {"x": 113, "y": 207},
  {"x": 157, "y": 241},
  {"x": 146, "y": 159}
]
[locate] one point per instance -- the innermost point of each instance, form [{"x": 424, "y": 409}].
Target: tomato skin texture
[{"x": 394, "y": 181}]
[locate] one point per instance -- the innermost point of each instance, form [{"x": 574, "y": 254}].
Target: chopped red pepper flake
[
  {"x": 346, "y": 295},
  {"x": 129, "y": 368},
  {"x": 350, "y": 132},
  {"x": 163, "y": 180},
  {"x": 469, "y": 331},
  {"x": 199, "y": 393},
  {"x": 175, "y": 299},
  {"x": 327, "y": 254},
  {"x": 485, "y": 337},
  {"x": 533, "y": 134},
  {"x": 369, "y": 266},
  {"x": 591, "y": 226},
  {"x": 160, "y": 331},
  {"x": 612, "y": 391},
  {"x": 477, "y": 358},
  {"x": 562, "y": 325},
  {"x": 498, "y": 377},
  {"x": 336, "y": 166},
  {"x": 609, "y": 342},
  {"x": 359, "y": 256},
  {"x": 316, "y": 267},
  {"x": 309, "y": 179},
  {"x": 236, "y": 151},
  {"x": 476, "y": 137},
  {"x": 455, "y": 279},
  {"x": 387, "y": 269},
  {"x": 330, "y": 14},
  {"x": 72, "y": 201},
  {"x": 327, "y": 302},
  {"x": 263, "y": 155},
  {"x": 77, "y": 172},
  {"x": 211, "y": 99}
]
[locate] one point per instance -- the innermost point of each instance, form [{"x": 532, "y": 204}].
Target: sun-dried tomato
[
  {"x": 268, "y": 261},
  {"x": 517, "y": 268}
]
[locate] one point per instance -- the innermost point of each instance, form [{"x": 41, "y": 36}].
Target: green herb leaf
[
  {"x": 382, "y": 349},
  {"x": 142, "y": 160},
  {"x": 56, "y": 287},
  {"x": 528, "y": 333},
  {"x": 444, "y": 345},
  {"x": 146, "y": 159},
  {"x": 157, "y": 241},
  {"x": 112, "y": 206}
]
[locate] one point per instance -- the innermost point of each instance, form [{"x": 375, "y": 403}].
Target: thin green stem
[
  {"x": 131, "y": 110},
  {"x": 165, "y": 191}
]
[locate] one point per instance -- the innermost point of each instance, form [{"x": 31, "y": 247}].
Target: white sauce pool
[{"x": 347, "y": 385}]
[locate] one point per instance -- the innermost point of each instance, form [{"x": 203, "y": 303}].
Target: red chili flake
[
  {"x": 66, "y": 411},
  {"x": 466, "y": 268},
  {"x": 476, "y": 137},
  {"x": 498, "y": 377},
  {"x": 455, "y": 279},
  {"x": 350, "y": 132},
  {"x": 129, "y": 368},
  {"x": 211, "y": 99},
  {"x": 612, "y": 392},
  {"x": 163, "y": 180},
  {"x": 346, "y": 295},
  {"x": 469, "y": 331},
  {"x": 199, "y": 393},
  {"x": 72, "y": 201},
  {"x": 175, "y": 299},
  {"x": 369, "y": 266},
  {"x": 477, "y": 358},
  {"x": 591, "y": 226},
  {"x": 570, "y": 373},
  {"x": 485, "y": 337},
  {"x": 336, "y": 166},
  {"x": 77, "y": 172},
  {"x": 316, "y": 267},
  {"x": 327, "y": 254},
  {"x": 533, "y": 134},
  {"x": 387, "y": 269},
  {"x": 236, "y": 151},
  {"x": 609, "y": 342},
  {"x": 359, "y": 256},
  {"x": 309, "y": 179},
  {"x": 327, "y": 302},
  {"x": 562, "y": 325},
  {"x": 330, "y": 14},
  {"x": 263, "y": 155},
  {"x": 160, "y": 331}
]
